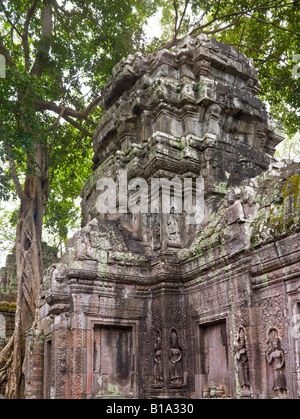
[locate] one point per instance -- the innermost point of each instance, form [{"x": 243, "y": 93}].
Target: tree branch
[
  {"x": 71, "y": 13},
  {"x": 266, "y": 5},
  {"x": 92, "y": 105},
  {"x": 67, "y": 113},
  {"x": 56, "y": 122},
  {"x": 25, "y": 32},
  {"x": 44, "y": 47},
  {"x": 182, "y": 17},
  {"x": 223, "y": 27},
  {"x": 216, "y": 12},
  {"x": 77, "y": 126},
  {"x": 9, "y": 21},
  {"x": 19, "y": 190},
  {"x": 51, "y": 106},
  {"x": 271, "y": 4},
  {"x": 7, "y": 55},
  {"x": 273, "y": 24},
  {"x": 176, "y": 18},
  {"x": 267, "y": 59}
]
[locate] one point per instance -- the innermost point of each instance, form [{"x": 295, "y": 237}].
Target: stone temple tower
[{"x": 165, "y": 304}]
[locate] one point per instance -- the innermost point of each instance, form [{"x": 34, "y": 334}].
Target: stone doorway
[
  {"x": 213, "y": 348},
  {"x": 113, "y": 362}
]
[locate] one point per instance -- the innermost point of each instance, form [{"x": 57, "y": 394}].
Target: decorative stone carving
[
  {"x": 276, "y": 358},
  {"x": 158, "y": 366},
  {"x": 272, "y": 312},
  {"x": 173, "y": 234},
  {"x": 242, "y": 360},
  {"x": 175, "y": 359},
  {"x": 156, "y": 234}
]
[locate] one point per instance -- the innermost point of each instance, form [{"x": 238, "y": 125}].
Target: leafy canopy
[{"x": 266, "y": 31}]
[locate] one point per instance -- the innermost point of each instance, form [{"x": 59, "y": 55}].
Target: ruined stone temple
[{"x": 172, "y": 305}]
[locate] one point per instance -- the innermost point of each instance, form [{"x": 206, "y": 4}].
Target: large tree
[{"x": 52, "y": 48}]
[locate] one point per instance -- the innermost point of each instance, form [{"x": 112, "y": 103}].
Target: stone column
[{"x": 34, "y": 365}]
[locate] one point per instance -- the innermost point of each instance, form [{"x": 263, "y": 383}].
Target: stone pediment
[{"x": 186, "y": 113}]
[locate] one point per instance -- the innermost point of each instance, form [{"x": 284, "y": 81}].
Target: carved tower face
[{"x": 190, "y": 113}]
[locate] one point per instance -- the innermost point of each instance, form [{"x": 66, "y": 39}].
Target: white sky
[{"x": 153, "y": 28}]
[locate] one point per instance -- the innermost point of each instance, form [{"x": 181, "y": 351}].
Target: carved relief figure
[
  {"x": 158, "y": 370},
  {"x": 156, "y": 233},
  {"x": 175, "y": 359},
  {"x": 243, "y": 362},
  {"x": 275, "y": 357},
  {"x": 172, "y": 227}
]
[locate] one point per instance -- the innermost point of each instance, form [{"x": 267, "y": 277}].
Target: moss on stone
[
  {"x": 221, "y": 187},
  {"x": 284, "y": 215},
  {"x": 272, "y": 218},
  {"x": 7, "y": 307}
]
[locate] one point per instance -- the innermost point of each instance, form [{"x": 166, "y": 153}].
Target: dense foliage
[{"x": 266, "y": 31}]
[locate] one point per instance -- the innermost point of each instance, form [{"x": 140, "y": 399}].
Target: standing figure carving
[
  {"x": 156, "y": 233},
  {"x": 173, "y": 227},
  {"x": 275, "y": 357},
  {"x": 158, "y": 370},
  {"x": 175, "y": 359},
  {"x": 243, "y": 361}
]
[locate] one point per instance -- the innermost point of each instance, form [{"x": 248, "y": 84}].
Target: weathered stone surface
[
  {"x": 7, "y": 325},
  {"x": 151, "y": 305},
  {"x": 8, "y": 273},
  {"x": 8, "y": 279},
  {"x": 8, "y": 297}
]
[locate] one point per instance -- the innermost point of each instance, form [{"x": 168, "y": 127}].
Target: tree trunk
[
  {"x": 29, "y": 273},
  {"x": 29, "y": 260}
]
